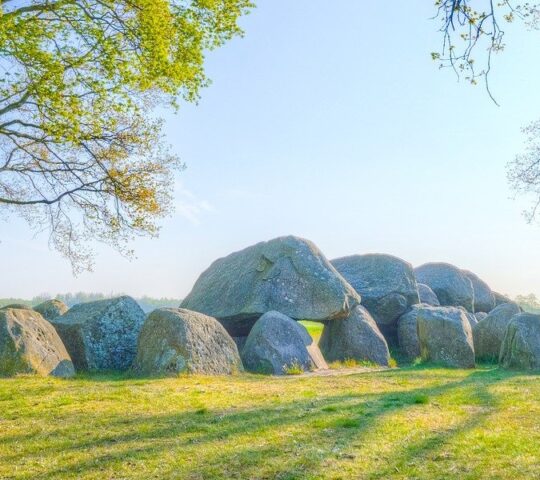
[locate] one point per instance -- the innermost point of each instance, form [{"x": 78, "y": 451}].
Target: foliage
[
  {"x": 20, "y": 301},
  {"x": 470, "y": 26},
  {"x": 394, "y": 424},
  {"x": 351, "y": 363},
  {"x": 146, "y": 303},
  {"x": 294, "y": 368},
  {"x": 81, "y": 154},
  {"x": 529, "y": 303},
  {"x": 524, "y": 172}
]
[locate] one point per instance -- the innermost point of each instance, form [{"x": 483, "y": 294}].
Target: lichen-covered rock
[
  {"x": 357, "y": 337},
  {"x": 30, "y": 344},
  {"x": 277, "y": 343},
  {"x": 101, "y": 335},
  {"x": 450, "y": 284},
  {"x": 287, "y": 274},
  {"x": 408, "y": 342},
  {"x": 51, "y": 309},
  {"x": 484, "y": 299},
  {"x": 445, "y": 336},
  {"x": 175, "y": 340},
  {"x": 427, "y": 296},
  {"x": 521, "y": 345},
  {"x": 386, "y": 284},
  {"x": 489, "y": 333}
]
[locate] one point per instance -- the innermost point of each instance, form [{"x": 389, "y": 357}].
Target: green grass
[
  {"x": 419, "y": 422},
  {"x": 351, "y": 363},
  {"x": 314, "y": 329},
  {"x": 294, "y": 368}
]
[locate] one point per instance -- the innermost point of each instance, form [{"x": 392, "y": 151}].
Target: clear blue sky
[{"x": 330, "y": 121}]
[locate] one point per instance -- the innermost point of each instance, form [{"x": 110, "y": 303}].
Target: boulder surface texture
[
  {"x": 357, "y": 337},
  {"x": 450, "y": 284},
  {"x": 445, "y": 336},
  {"x": 30, "y": 344},
  {"x": 500, "y": 299},
  {"x": 521, "y": 345},
  {"x": 484, "y": 299},
  {"x": 287, "y": 274},
  {"x": 408, "y": 342},
  {"x": 386, "y": 284},
  {"x": 101, "y": 335},
  {"x": 277, "y": 343},
  {"x": 175, "y": 340},
  {"x": 489, "y": 333},
  {"x": 51, "y": 309},
  {"x": 427, "y": 296}
]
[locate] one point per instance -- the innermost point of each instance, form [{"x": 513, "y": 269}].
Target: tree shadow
[{"x": 332, "y": 420}]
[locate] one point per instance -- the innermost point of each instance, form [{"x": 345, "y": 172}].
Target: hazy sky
[{"x": 330, "y": 121}]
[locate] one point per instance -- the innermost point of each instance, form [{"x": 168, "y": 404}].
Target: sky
[{"x": 329, "y": 121}]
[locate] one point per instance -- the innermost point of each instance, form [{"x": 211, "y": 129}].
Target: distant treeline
[
  {"x": 147, "y": 303},
  {"x": 529, "y": 303}
]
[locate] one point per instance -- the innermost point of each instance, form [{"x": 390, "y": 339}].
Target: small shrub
[
  {"x": 417, "y": 361},
  {"x": 335, "y": 365},
  {"x": 351, "y": 363},
  {"x": 295, "y": 368},
  {"x": 202, "y": 411},
  {"x": 392, "y": 363}
]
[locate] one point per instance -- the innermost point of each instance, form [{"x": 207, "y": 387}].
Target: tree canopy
[
  {"x": 81, "y": 154},
  {"x": 473, "y": 30}
]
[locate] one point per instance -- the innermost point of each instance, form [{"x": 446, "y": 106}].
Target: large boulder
[
  {"x": 287, "y": 274},
  {"x": 51, "y": 309},
  {"x": 101, "y": 335},
  {"x": 470, "y": 316},
  {"x": 386, "y": 284},
  {"x": 484, "y": 299},
  {"x": 30, "y": 344},
  {"x": 489, "y": 333},
  {"x": 445, "y": 336},
  {"x": 450, "y": 284},
  {"x": 407, "y": 332},
  {"x": 427, "y": 296},
  {"x": 521, "y": 345},
  {"x": 356, "y": 337},
  {"x": 277, "y": 343},
  {"x": 500, "y": 299},
  {"x": 175, "y": 340}
]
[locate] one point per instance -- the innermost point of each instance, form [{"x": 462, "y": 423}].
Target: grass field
[
  {"x": 314, "y": 328},
  {"x": 417, "y": 422}
]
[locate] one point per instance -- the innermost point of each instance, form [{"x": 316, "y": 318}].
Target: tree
[
  {"x": 529, "y": 303},
  {"x": 466, "y": 31},
  {"x": 81, "y": 153},
  {"x": 470, "y": 26}
]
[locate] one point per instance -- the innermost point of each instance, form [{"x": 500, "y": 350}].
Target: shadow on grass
[{"x": 206, "y": 438}]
